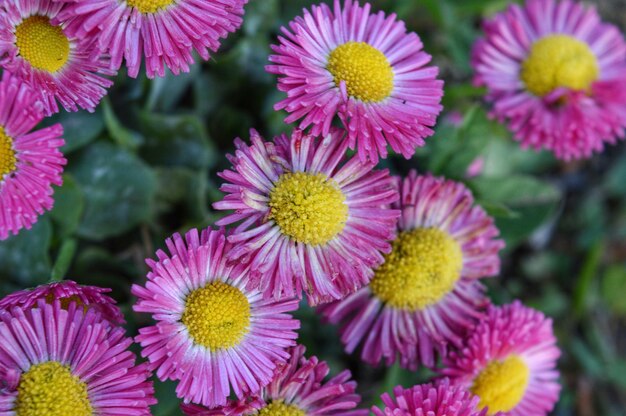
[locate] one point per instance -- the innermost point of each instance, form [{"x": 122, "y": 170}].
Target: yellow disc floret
[
  {"x": 366, "y": 71},
  {"x": 8, "y": 160},
  {"x": 149, "y": 6},
  {"x": 280, "y": 408},
  {"x": 309, "y": 208},
  {"x": 50, "y": 389},
  {"x": 41, "y": 44},
  {"x": 502, "y": 384},
  {"x": 559, "y": 61},
  {"x": 423, "y": 266},
  {"x": 217, "y": 316},
  {"x": 65, "y": 302}
]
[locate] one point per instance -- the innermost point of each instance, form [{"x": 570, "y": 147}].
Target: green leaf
[
  {"x": 69, "y": 204},
  {"x": 25, "y": 258},
  {"x": 79, "y": 128},
  {"x": 185, "y": 187},
  {"x": 533, "y": 201},
  {"x": 119, "y": 191},
  {"x": 167, "y": 91},
  {"x": 615, "y": 183},
  {"x": 176, "y": 141},
  {"x": 614, "y": 287},
  {"x": 498, "y": 210},
  {"x": 516, "y": 191},
  {"x": 587, "y": 273},
  {"x": 165, "y": 393}
]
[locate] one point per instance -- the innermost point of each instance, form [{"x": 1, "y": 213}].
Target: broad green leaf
[
  {"x": 533, "y": 201},
  {"x": 25, "y": 258},
  {"x": 79, "y": 128},
  {"x": 180, "y": 141},
  {"x": 119, "y": 191},
  {"x": 184, "y": 187}
]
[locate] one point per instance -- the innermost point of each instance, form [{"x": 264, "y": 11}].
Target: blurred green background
[{"x": 144, "y": 166}]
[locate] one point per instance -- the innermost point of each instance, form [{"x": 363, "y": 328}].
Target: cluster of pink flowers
[
  {"x": 395, "y": 262},
  {"x": 59, "y": 52}
]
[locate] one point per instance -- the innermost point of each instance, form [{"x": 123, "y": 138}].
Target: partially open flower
[{"x": 70, "y": 363}]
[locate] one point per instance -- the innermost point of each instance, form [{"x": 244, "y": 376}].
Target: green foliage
[{"x": 144, "y": 166}]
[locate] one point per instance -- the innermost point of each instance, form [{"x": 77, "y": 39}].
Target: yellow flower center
[
  {"x": 279, "y": 408},
  {"x": 8, "y": 160},
  {"x": 502, "y": 384},
  {"x": 310, "y": 208},
  {"x": 423, "y": 266},
  {"x": 50, "y": 389},
  {"x": 217, "y": 316},
  {"x": 149, "y": 6},
  {"x": 559, "y": 61},
  {"x": 366, "y": 71},
  {"x": 41, "y": 44},
  {"x": 65, "y": 302}
]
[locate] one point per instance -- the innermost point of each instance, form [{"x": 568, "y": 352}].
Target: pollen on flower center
[
  {"x": 423, "y": 266},
  {"x": 65, "y": 302},
  {"x": 50, "y": 389},
  {"x": 366, "y": 71},
  {"x": 280, "y": 408},
  {"x": 149, "y": 6},
  {"x": 559, "y": 61},
  {"x": 41, "y": 44},
  {"x": 217, "y": 316},
  {"x": 8, "y": 160},
  {"x": 310, "y": 208},
  {"x": 502, "y": 384}
]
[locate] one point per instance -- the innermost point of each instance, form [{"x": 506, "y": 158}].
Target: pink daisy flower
[
  {"x": 58, "y": 361},
  {"x": 37, "y": 47},
  {"x": 436, "y": 399},
  {"x": 161, "y": 32},
  {"x": 556, "y": 74},
  {"x": 426, "y": 294},
  {"x": 213, "y": 334},
  {"x": 30, "y": 161},
  {"x": 298, "y": 389},
  {"x": 67, "y": 291},
  {"x": 311, "y": 219},
  {"x": 509, "y": 361},
  {"x": 363, "y": 67}
]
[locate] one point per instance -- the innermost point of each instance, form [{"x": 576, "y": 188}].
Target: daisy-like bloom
[
  {"x": 436, "y": 399},
  {"x": 509, "y": 361},
  {"x": 213, "y": 333},
  {"x": 363, "y": 67},
  {"x": 298, "y": 389},
  {"x": 161, "y": 32},
  {"x": 556, "y": 74},
  {"x": 311, "y": 219},
  {"x": 67, "y": 291},
  {"x": 426, "y": 294},
  {"x": 37, "y": 47},
  {"x": 57, "y": 361},
  {"x": 30, "y": 161}
]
